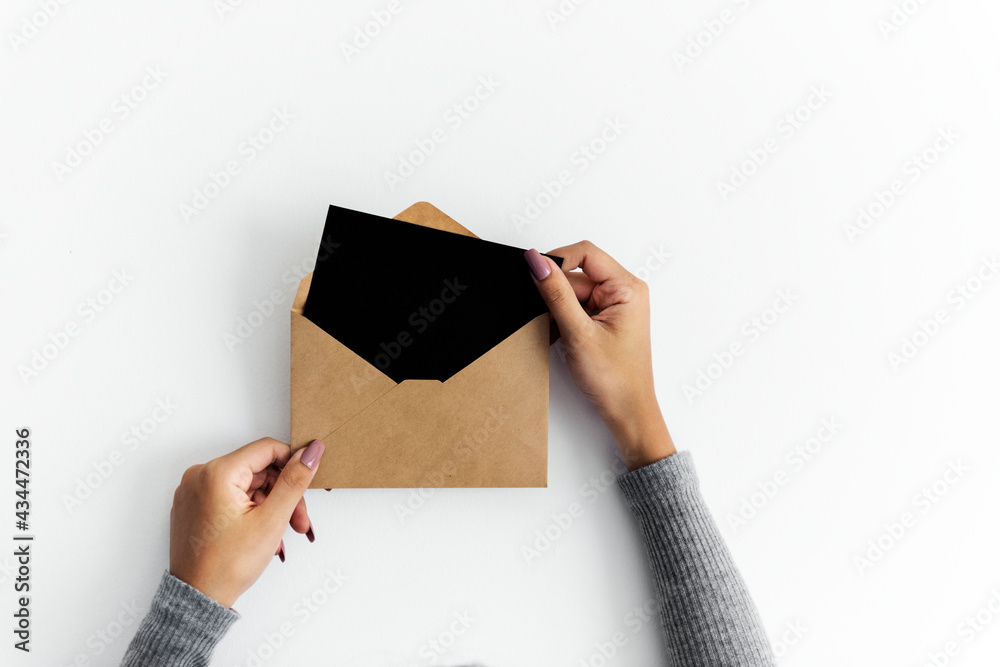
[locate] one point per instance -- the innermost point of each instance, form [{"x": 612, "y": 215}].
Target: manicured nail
[
  {"x": 281, "y": 551},
  {"x": 310, "y": 457},
  {"x": 539, "y": 267},
  {"x": 328, "y": 489},
  {"x": 310, "y": 534}
]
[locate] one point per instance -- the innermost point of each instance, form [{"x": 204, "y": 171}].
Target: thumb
[
  {"x": 292, "y": 483},
  {"x": 557, "y": 293}
]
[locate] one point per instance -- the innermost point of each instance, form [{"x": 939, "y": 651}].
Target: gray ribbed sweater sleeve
[
  {"x": 181, "y": 628},
  {"x": 707, "y": 615}
]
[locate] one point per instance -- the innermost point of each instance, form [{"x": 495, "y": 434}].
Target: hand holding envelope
[{"x": 419, "y": 355}]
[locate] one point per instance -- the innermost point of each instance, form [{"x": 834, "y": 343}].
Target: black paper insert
[{"x": 415, "y": 302}]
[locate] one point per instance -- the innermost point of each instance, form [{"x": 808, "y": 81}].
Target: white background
[{"x": 164, "y": 336}]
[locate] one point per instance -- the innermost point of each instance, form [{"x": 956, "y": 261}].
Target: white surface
[{"x": 163, "y": 336}]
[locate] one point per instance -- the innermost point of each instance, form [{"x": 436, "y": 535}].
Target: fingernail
[
  {"x": 310, "y": 534},
  {"x": 281, "y": 551},
  {"x": 328, "y": 489},
  {"x": 539, "y": 267},
  {"x": 310, "y": 457}
]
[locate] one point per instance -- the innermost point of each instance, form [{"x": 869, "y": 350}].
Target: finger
[
  {"x": 583, "y": 286},
  {"x": 258, "y": 455},
  {"x": 270, "y": 477},
  {"x": 258, "y": 497},
  {"x": 292, "y": 483},
  {"x": 612, "y": 293},
  {"x": 554, "y": 333},
  {"x": 299, "y": 520},
  {"x": 597, "y": 264},
  {"x": 258, "y": 481},
  {"x": 557, "y": 293}
]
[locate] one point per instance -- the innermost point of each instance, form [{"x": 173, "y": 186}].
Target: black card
[{"x": 415, "y": 302}]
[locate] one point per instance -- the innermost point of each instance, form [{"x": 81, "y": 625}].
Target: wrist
[{"x": 641, "y": 434}]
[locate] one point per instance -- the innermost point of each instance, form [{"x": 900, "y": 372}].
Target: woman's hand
[
  {"x": 229, "y": 515},
  {"x": 602, "y": 315}
]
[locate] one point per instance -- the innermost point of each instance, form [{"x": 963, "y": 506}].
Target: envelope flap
[{"x": 428, "y": 215}]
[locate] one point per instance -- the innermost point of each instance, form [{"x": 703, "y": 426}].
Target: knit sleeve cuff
[
  {"x": 182, "y": 626},
  {"x": 659, "y": 479},
  {"x": 182, "y": 602}
]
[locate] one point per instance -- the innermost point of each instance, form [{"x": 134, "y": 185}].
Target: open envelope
[{"x": 419, "y": 356}]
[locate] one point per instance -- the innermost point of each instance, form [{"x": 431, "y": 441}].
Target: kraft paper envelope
[{"x": 419, "y": 356}]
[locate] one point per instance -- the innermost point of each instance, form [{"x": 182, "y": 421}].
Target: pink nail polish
[
  {"x": 539, "y": 267},
  {"x": 310, "y": 457}
]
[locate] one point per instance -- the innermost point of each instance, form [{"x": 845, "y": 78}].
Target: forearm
[
  {"x": 181, "y": 628},
  {"x": 707, "y": 614}
]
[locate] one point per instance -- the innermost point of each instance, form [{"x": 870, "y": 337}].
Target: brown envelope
[{"x": 486, "y": 426}]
